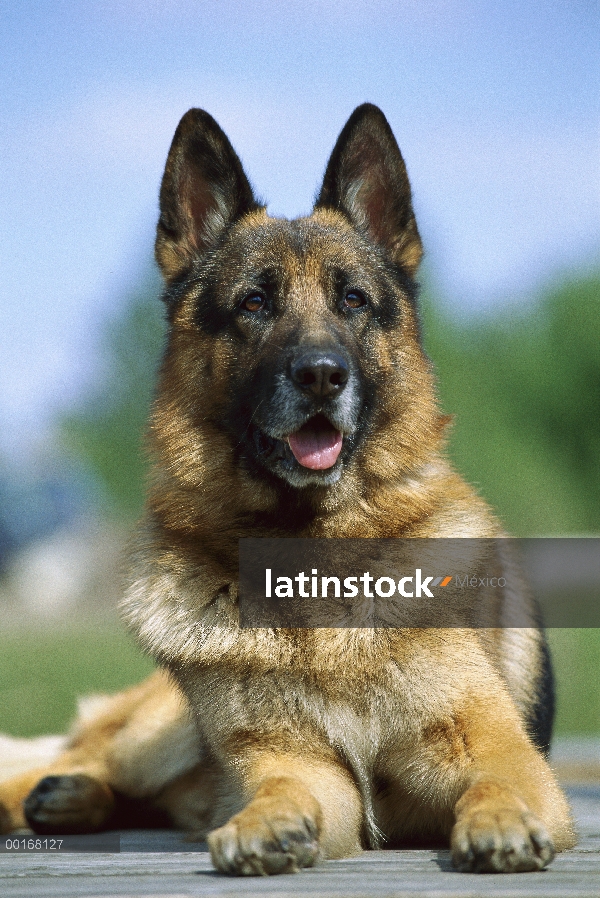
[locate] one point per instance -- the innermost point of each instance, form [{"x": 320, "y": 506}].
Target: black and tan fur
[{"x": 305, "y": 743}]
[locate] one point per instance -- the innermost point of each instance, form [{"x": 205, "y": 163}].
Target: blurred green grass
[
  {"x": 43, "y": 672},
  {"x": 576, "y": 657}
]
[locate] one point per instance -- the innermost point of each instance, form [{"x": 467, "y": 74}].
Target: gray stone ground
[{"x": 160, "y": 864}]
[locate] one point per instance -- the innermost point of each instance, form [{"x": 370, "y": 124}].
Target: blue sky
[{"x": 495, "y": 107}]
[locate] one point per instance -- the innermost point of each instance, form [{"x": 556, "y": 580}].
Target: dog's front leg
[
  {"x": 496, "y": 832},
  {"x": 512, "y": 816},
  {"x": 299, "y": 809}
]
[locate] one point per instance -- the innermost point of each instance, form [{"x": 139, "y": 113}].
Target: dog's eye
[
  {"x": 254, "y": 302},
  {"x": 354, "y": 299}
]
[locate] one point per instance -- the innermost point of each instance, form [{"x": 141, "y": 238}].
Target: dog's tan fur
[{"x": 311, "y": 742}]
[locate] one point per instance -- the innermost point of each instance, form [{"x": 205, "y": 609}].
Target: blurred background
[{"x": 496, "y": 110}]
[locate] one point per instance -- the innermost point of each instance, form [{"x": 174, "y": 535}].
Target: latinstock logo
[
  {"x": 303, "y": 586},
  {"x": 419, "y": 582}
]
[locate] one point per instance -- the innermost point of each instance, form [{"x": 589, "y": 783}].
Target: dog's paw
[
  {"x": 262, "y": 840},
  {"x": 501, "y": 841},
  {"x": 75, "y": 803}
]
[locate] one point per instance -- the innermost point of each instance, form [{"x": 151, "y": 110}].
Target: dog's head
[{"x": 294, "y": 344}]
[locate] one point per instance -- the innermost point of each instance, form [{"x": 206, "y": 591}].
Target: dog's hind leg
[
  {"x": 66, "y": 792},
  {"x": 54, "y": 799},
  {"x": 122, "y": 753}
]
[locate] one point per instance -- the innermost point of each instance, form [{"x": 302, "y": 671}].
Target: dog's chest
[{"x": 354, "y": 713}]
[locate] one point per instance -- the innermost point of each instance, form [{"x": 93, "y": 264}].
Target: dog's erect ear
[
  {"x": 204, "y": 189},
  {"x": 366, "y": 180}
]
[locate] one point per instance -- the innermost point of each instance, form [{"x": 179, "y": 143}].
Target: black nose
[{"x": 322, "y": 374}]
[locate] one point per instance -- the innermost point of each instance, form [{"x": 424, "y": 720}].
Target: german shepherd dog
[{"x": 295, "y": 400}]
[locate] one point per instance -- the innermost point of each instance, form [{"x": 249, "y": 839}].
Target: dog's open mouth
[{"x": 317, "y": 444}]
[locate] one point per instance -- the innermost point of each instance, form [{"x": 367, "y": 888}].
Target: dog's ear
[
  {"x": 203, "y": 189},
  {"x": 366, "y": 179}
]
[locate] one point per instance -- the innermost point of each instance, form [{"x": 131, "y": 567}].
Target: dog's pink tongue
[{"x": 316, "y": 447}]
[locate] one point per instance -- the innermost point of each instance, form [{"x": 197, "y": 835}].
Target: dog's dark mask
[{"x": 295, "y": 306}]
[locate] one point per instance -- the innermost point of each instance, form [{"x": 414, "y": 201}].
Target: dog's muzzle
[{"x": 303, "y": 429}]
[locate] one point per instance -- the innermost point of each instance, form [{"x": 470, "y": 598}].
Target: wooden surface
[{"x": 159, "y": 863}]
